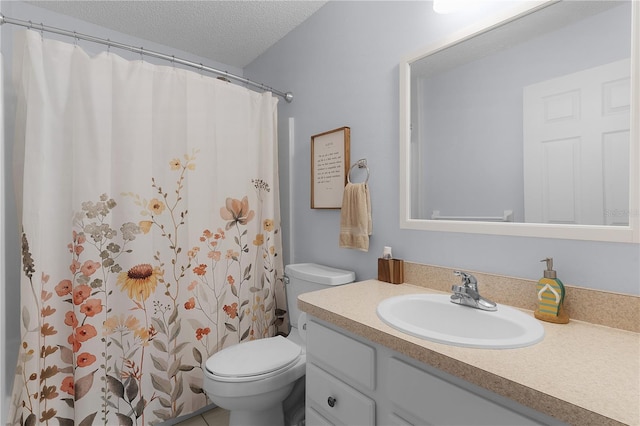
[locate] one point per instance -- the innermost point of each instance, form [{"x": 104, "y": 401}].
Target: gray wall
[{"x": 342, "y": 66}]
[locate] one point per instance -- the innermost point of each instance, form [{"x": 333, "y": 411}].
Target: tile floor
[{"x": 215, "y": 417}]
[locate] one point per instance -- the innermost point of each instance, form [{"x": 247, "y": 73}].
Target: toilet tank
[{"x": 305, "y": 277}]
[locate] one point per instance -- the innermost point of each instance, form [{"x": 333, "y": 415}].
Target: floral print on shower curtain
[{"x": 150, "y": 234}]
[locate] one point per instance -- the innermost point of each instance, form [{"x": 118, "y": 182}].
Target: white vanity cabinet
[
  {"x": 352, "y": 381},
  {"x": 340, "y": 373}
]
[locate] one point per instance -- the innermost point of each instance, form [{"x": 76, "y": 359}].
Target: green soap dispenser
[{"x": 550, "y": 291}]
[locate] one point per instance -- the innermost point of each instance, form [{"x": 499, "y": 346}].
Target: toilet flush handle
[{"x": 331, "y": 401}]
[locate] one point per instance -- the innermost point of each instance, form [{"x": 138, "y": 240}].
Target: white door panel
[{"x": 576, "y": 147}]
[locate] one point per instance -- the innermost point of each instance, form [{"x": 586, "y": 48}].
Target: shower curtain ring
[
  {"x": 75, "y": 39},
  {"x": 141, "y": 53},
  {"x": 41, "y": 31},
  {"x": 108, "y": 46}
]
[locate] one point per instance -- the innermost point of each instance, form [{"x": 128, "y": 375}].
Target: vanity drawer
[
  {"x": 347, "y": 357},
  {"x": 337, "y": 399}
]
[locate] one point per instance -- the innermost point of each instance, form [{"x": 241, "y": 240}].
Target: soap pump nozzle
[{"x": 549, "y": 272}]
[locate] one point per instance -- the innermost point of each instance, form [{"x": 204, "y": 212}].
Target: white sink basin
[{"x": 434, "y": 317}]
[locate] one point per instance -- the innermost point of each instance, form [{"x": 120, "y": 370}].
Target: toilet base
[
  {"x": 269, "y": 417},
  {"x": 293, "y": 406}
]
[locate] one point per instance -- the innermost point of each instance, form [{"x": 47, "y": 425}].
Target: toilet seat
[{"x": 254, "y": 360}]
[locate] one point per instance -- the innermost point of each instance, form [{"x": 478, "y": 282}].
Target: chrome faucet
[{"x": 467, "y": 293}]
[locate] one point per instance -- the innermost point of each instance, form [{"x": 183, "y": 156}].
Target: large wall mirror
[{"x": 527, "y": 125}]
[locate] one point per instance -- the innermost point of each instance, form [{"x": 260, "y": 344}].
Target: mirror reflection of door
[{"x": 576, "y": 147}]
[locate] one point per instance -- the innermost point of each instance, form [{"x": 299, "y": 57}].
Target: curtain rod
[{"x": 288, "y": 96}]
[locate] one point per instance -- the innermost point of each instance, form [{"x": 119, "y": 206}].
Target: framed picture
[{"x": 329, "y": 167}]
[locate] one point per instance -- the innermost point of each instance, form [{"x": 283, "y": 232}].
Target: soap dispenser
[{"x": 550, "y": 291}]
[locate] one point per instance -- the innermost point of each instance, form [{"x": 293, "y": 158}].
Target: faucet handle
[{"x": 467, "y": 279}]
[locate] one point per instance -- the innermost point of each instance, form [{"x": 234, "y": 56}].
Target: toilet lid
[{"x": 253, "y": 358}]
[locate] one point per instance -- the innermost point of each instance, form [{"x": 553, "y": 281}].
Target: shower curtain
[{"x": 150, "y": 233}]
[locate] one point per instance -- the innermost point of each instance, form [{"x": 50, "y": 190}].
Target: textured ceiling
[{"x": 230, "y": 32}]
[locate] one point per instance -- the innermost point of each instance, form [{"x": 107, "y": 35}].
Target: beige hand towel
[{"x": 355, "y": 218}]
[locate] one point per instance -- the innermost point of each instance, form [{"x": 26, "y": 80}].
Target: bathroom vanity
[
  {"x": 354, "y": 381},
  {"x": 361, "y": 371}
]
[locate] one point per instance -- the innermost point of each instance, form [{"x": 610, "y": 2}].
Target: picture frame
[{"x": 329, "y": 167}]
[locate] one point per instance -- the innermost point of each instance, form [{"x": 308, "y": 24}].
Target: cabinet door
[
  {"x": 350, "y": 359},
  {"x": 396, "y": 420},
  {"x": 436, "y": 401}
]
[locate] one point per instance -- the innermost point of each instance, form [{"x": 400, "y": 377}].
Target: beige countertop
[{"x": 580, "y": 373}]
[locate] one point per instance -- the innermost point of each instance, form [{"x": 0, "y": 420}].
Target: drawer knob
[{"x": 331, "y": 401}]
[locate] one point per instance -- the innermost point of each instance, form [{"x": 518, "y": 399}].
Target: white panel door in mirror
[{"x": 574, "y": 127}]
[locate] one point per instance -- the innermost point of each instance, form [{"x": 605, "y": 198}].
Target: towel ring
[{"x": 361, "y": 164}]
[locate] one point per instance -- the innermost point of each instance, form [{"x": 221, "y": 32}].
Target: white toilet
[{"x": 261, "y": 382}]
